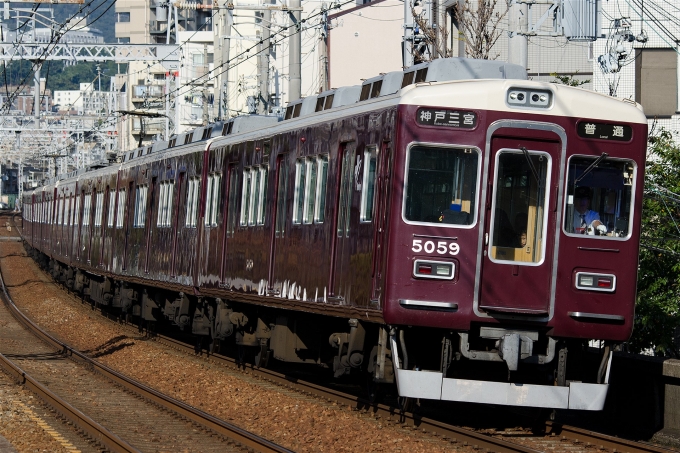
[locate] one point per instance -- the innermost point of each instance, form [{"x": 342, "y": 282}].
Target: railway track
[
  {"x": 556, "y": 437},
  {"x": 116, "y": 412}
]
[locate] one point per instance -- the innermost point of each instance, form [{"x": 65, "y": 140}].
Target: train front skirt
[{"x": 433, "y": 385}]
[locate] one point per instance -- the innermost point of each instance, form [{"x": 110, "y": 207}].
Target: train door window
[
  {"x": 233, "y": 197},
  {"x": 245, "y": 196},
  {"x": 346, "y": 184},
  {"x": 299, "y": 198},
  {"x": 76, "y": 210},
  {"x": 213, "y": 199},
  {"x": 60, "y": 212},
  {"x": 192, "y": 202},
  {"x": 310, "y": 192},
  {"x": 99, "y": 209},
  {"x": 322, "y": 180},
  {"x": 140, "y": 206},
  {"x": 599, "y": 197},
  {"x": 112, "y": 208},
  {"x": 166, "y": 191},
  {"x": 86, "y": 209},
  {"x": 520, "y": 201},
  {"x": 120, "y": 214},
  {"x": 368, "y": 184},
  {"x": 441, "y": 185},
  {"x": 254, "y": 203},
  {"x": 262, "y": 195},
  {"x": 282, "y": 197}
]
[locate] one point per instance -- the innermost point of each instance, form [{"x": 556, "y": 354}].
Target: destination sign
[
  {"x": 446, "y": 118},
  {"x": 587, "y": 129}
]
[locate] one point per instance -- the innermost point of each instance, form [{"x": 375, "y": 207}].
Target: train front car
[{"x": 512, "y": 241}]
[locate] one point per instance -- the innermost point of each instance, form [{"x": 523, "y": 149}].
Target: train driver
[{"x": 585, "y": 219}]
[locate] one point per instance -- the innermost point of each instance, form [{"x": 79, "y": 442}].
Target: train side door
[
  {"x": 382, "y": 191},
  {"x": 517, "y": 262},
  {"x": 279, "y": 214},
  {"x": 340, "y": 251}
]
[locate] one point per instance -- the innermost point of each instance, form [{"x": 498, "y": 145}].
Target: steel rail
[
  {"x": 90, "y": 427},
  {"x": 601, "y": 440},
  {"x": 243, "y": 437}
]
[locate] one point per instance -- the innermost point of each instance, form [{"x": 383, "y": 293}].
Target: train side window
[
  {"x": 254, "y": 203},
  {"x": 245, "y": 196},
  {"x": 99, "y": 209},
  {"x": 213, "y": 199},
  {"x": 60, "y": 213},
  {"x": 368, "y": 185},
  {"x": 282, "y": 198},
  {"x": 346, "y": 193},
  {"x": 140, "y": 206},
  {"x": 599, "y": 197},
  {"x": 310, "y": 192},
  {"x": 299, "y": 198},
  {"x": 86, "y": 209},
  {"x": 233, "y": 197},
  {"x": 167, "y": 190},
  {"x": 192, "y": 202},
  {"x": 322, "y": 180},
  {"x": 120, "y": 215}
]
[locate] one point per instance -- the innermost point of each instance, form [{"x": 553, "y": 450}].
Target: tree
[
  {"x": 481, "y": 25},
  {"x": 568, "y": 80},
  {"x": 658, "y": 297}
]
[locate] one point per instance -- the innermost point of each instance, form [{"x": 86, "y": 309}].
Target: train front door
[{"x": 519, "y": 235}]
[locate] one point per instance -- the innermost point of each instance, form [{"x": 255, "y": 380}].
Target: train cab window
[
  {"x": 167, "y": 190},
  {"x": 99, "y": 209},
  {"x": 520, "y": 207},
  {"x": 368, "y": 185},
  {"x": 112, "y": 208},
  {"x": 599, "y": 197},
  {"x": 441, "y": 185},
  {"x": 212, "y": 203},
  {"x": 140, "y": 206},
  {"x": 120, "y": 214},
  {"x": 192, "y": 202}
]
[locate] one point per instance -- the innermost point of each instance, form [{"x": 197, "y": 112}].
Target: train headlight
[
  {"x": 596, "y": 282},
  {"x": 440, "y": 270}
]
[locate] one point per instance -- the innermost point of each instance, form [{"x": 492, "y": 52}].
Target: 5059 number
[{"x": 440, "y": 247}]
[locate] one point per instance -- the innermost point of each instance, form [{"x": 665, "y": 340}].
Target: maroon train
[{"x": 454, "y": 227}]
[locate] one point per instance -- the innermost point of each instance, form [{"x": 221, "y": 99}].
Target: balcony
[{"x": 146, "y": 92}]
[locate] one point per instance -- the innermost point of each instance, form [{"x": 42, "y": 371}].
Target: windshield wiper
[
  {"x": 531, "y": 165},
  {"x": 592, "y": 166}
]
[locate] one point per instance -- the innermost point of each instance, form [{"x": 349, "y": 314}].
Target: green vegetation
[
  {"x": 59, "y": 77},
  {"x": 658, "y": 299},
  {"x": 568, "y": 80}
]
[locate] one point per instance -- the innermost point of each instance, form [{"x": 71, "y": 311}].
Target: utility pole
[
  {"x": 263, "y": 48},
  {"x": 407, "y": 43},
  {"x": 295, "y": 49},
  {"x": 323, "y": 50},
  {"x": 204, "y": 95},
  {"x": 518, "y": 44},
  {"x": 222, "y": 45}
]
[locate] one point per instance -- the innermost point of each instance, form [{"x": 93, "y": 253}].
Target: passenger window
[
  {"x": 112, "y": 207},
  {"x": 262, "y": 195},
  {"x": 120, "y": 210},
  {"x": 255, "y": 183},
  {"x": 599, "y": 197},
  {"x": 86, "y": 209},
  {"x": 192, "y": 202},
  {"x": 233, "y": 197},
  {"x": 310, "y": 192},
  {"x": 213, "y": 199},
  {"x": 99, "y": 209},
  {"x": 346, "y": 184},
  {"x": 519, "y": 221},
  {"x": 322, "y": 179},
  {"x": 140, "y": 206},
  {"x": 167, "y": 190},
  {"x": 441, "y": 185},
  {"x": 300, "y": 179},
  {"x": 245, "y": 196},
  {"x": 368, "y": 185}
]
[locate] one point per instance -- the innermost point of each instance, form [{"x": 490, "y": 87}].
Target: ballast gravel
[{"x": 299, "y": 423}]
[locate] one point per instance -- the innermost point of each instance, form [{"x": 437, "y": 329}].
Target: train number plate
[{"x": 438, "y": 247}]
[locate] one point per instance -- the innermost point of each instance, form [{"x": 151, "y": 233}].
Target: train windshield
[
  {"x": 599, "y": 197},
  {"x": 441, "y": 185}
]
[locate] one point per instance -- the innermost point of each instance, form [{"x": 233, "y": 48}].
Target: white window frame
[
  {"x": 140, "y": 206},
  {"x": 309, "y": 204},
  {"x": 321, "y": 186},
  {"x": 262, "y": 194},
  {"x": 298, "y": 198},
  {"x": 245, "y": 196},
  {"x": 192, "y": 202},
  {"x": 86, "y": 209},
  {"x": 212, "y": 199},
  {"x": 76, "y": 211}
]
